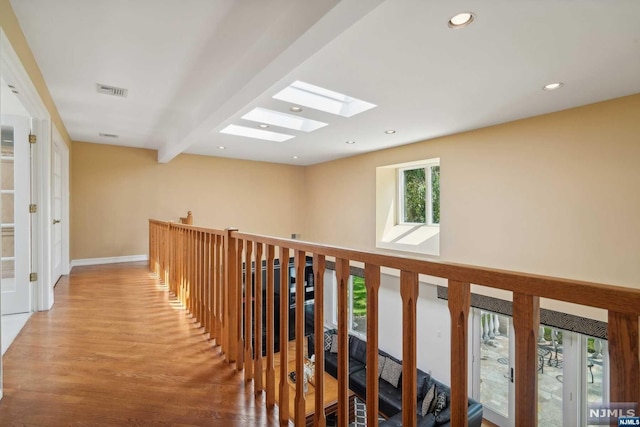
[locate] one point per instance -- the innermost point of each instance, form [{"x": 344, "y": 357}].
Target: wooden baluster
[
  {"x": 526, "y": 320},
  {"x": 196, "y": 277},
  {"x": 459, "y": 303},
  {"x": 169, "y": 247},
  {"x": 220, "y": 290},
  {"x": 319, "y": 418},
  {"x": 624, "y": 358},
  {"x": 248, "y": 311},
  {"x": 372, "y": 282},
  {"x": 300, "y": 401},
  {"x": 206, "y": 283},
  {"x": 201, "y": 299},
  {"x": 284, "y": 336},
  {"x": 342, "y": 278},
  {"x": 180, "y": 272},
  {"x": 152, "y": 255},
  {"x": 187, "y": 270},
  {"x": 271, "y": 374},
  {"x": 238, "y": 307},
  {"x": 409, "y": 294},
  {"x": 200, "y": 282},
  {"x": 230, "y": 319},
  {"x": 213, "y": 289},
  {"x": 257, "y": 315},
  {"x": 184, "y": 267}
]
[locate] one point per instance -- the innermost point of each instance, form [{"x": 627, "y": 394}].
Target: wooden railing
[{"x": 203, "y": 267}]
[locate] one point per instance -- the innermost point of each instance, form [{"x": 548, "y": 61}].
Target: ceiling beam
[{"x": 241, "y": 90}]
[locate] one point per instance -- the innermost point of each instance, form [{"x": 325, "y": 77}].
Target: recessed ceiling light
[
  {"x": 461, "y": 20},
  {"x": 553, "y": 86},
  {"x": 351, "y": 142},
  {"x": 295, "y": 109},
  {"x": 263, "y": 126},
  {"x": 390, "y": 131},
  {"x": 276, "y": 118},
  {"x": 296, "y": 157},
  {"x": 108, "y": 135},
  {"x": 322, "y": 99},
  {"x": 221, "y": 147},
  {"x": 256, "y": 133}
]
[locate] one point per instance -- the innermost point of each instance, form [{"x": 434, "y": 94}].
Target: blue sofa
[{"x": 390, "y": 397}]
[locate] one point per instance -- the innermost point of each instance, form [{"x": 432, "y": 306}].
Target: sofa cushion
[
  {"x": 331, "y": 363},
  {"x": 444, "y": 416},
  {"x": 358, "y": 350},
  {"x": 421, "y": 379},
  {"x": 390, "y": 398},
  {"x": 391, "y": 372},
  {"x": 396, "y": 421}
]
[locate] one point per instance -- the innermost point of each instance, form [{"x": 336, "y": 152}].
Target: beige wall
[
  {"x": 557, "y": 194},
  {"x": 116, "y": 189},
  {"x": 11, "y": 28}
]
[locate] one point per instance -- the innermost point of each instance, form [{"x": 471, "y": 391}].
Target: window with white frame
[
  {"x": 419, "y": 194},
  {"x": 356, "y": 305}
]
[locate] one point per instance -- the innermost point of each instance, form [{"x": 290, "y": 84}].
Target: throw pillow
[
  {"x": 334, "y": 344},
  {"x": 444, "y": 416},
  {"x": 327, "y": 341},
  {"x": 441, "y": 403},
  {"x": 428, "y": 400},
  {"x": 391, "y": 372},
  {"x": 381, "y": 362}
]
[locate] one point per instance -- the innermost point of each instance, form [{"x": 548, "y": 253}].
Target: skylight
[
  {"x": 322, "y": 99},
  {"x": 256, "y": 133},
  {"x": 289, "y": 121}
]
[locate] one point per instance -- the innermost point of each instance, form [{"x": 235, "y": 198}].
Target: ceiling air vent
[
  {"x": 108, "y": 135},
  {"x": 111, "y": 90}
]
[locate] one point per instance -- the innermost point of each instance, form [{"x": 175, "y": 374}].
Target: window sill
[{"x": 421, "y": 239}]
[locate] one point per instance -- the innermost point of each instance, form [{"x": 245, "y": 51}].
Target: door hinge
[
  {"x": 33, "y": 277},
  {"x": 32, "y": 139},
  {"x": 33, "y": 208}
]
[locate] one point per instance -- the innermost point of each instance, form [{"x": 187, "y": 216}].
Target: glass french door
[
  {"x": 493, "y": 374},
  {"x": 15, "y": 191}
]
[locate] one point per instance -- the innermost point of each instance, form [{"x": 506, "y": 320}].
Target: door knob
[{"x": 56, "y": 221}]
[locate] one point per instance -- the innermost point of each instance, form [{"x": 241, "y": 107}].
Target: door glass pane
[
  {"x": 594, "y": 371},
  {"x": 7, "y": 171},
  {"x": 7, "y": 141},
  {"x": 494, "y": 362},
  {"x": 550, "y": 375},
  {"x": 7, "y": 208}
]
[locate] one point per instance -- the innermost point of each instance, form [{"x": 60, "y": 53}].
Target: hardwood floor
[{"x": 117, "y": 351}]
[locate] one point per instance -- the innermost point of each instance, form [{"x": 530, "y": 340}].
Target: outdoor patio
[{"x": 495, "y": 377}]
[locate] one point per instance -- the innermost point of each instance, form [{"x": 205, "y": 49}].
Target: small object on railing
[{"x": 188, "y": 219}]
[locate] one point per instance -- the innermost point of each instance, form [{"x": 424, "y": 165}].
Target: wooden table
[{"x": 330, "y": 396}]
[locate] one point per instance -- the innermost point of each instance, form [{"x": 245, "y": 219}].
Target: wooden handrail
[{"x": 204, "y": 268}]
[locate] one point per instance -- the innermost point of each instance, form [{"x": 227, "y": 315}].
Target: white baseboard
[{"x": 107, "y": 260}]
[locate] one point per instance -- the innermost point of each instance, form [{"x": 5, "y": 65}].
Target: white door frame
[
  {"x": 59, "y": 143},
  {"x": 14, "y": 73}
]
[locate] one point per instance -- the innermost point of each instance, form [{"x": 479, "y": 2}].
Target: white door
[
  {"x": 56, "y": 213},
  {"x": 15, "y": 192},
  {"x": 493, "y": 373}
]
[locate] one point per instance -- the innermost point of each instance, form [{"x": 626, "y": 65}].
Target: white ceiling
[{"x": 195, "y": 66}]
